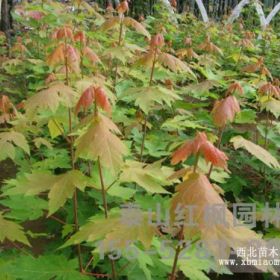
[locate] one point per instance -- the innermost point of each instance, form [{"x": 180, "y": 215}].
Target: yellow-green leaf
[
  {"x": 151, "y": 177},
  {"x": 55, "y": 128},
  {"x": 64, "y": 187},
  {"x": 6, "y": 141},
  {"x": 12, "y": 231},
  {"x": 50, "y": 98},
  {"x": 100, "y": 141},
  {"x": 255, "y": 150}
]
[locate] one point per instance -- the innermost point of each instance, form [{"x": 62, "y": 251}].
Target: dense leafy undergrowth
[{"x": 115, "y": 127}]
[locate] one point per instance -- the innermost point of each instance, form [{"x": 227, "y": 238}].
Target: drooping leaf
[
  {"x": 110, "y": 23},
  {"x": 31, "y": 184},
  {"x": 91, "y": 55},
  {"x": 225, "y": 110},
  {"x": 7, "y": 142},
  {"x": 198, "y": 192},
  {"x": 130, "y": 22},
  {"x": 151, "y": 177},
  {"x": 100, "y": 141},
  {"x": 50, "y": 98},
  {"x": 57, "y": 56},
  {"x": 174, "y": 63},
  {"x": 200, "y": 144},
  {"x": 11, "y": 231},
  {"x": 60, "y": 187},
  {"x": 64, "y": 187},
  {"x": 272, "y": 105},
  {"x": 116, "y": 230},
  {"x": 255, "y": 150}
]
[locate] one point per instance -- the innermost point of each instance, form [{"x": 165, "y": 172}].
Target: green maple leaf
[
  {"x": 60, "y": 187},
  {"x": 115, "y": 230},
  {"x": 11, "y": 231},
  {"x": 24, "y": 208},
  {"x": 46, "y": 267},
  {"x": 64, "y": 187},
  {"x": 50, "y": 98},
  {"x": 147, "y": 97}
]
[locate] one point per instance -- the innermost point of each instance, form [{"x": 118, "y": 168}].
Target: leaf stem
[
  {"x": 75, "y": 195},
  {"x": 178, "y": 250},
  {"x": 196, "y": 163},
  {"x": 103, "y": 189},
  {"x": 221, "y": 131},
  {"x": 105, "y": 206},
  {"x": 174, "y": 267}
]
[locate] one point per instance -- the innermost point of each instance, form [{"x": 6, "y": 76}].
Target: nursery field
[{"x": 139, "y": 145}]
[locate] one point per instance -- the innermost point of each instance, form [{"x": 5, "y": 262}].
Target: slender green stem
[
  {"x": 144, "y": 129},
  {"x": 105, "y": 206},
  {"x": 103, "y": 189},
  {"x": 75, "y": 196},
  {"x": 119, "y": 43}
]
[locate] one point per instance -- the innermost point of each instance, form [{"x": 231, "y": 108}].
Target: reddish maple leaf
[
  {"x": 157, "y": 41},
  {"x": 80, "y": 36},
  {"x": 91, "y": 55},
  {"x": 252, "y": 68},
  {"x": 62, "y": 33},
  {"x": 85, "y": 100},
  {"x": 234, "y": 87},
  {"x": 123, "y": 7},
  {"x": 102, "y": 99},
  {"x": 7, "y": 109},
  {"x": 210, "y": 47},
  {"x": 92, "y": 94},
  {"x": 37, "y": 15},
  {"x": 270, "y": 89},
  {"x": 200, "y": 144},
  {"x": 224, "y": 110}
]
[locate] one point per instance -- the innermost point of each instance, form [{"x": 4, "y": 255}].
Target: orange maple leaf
[
  {"x": 225, "y": 110},
  {"x": 80, "y": 36},
  {"x": 64, "y": 32},
  {"x": 200, "y": 144},
  {"x": 102, "y": 99},
  {"x": 270, "y": 89},
  {"x": 157, "y": 41},
  {"x": 85, "y": 100},
  {"x": 92, "y": 94},
  {"x": 234, "y": 87},
  {"x": 91, "y": 55},
  {"x": 123, "y": 7}
]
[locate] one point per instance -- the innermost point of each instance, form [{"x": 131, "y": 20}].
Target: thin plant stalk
[
  {"x": 146, "y": 117},
  {"x": 75, "y": 196},
  {"x": 104, "y": 198},
  {"x": 119, "y": 43},
  {"x": 181, "y": 234}
]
